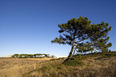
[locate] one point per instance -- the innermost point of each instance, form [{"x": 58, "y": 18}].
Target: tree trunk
[
  {"x": 70, "y": 54},
  {"x": 74, "y": 51}
]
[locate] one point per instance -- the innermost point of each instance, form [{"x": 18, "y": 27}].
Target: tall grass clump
[{"x": 75, "y": 61}]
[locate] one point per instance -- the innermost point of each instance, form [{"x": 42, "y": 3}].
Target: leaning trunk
[{"x": 70, "y": 54}]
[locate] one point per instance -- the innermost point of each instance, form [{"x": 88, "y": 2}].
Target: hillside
[
  {"x": 92, "y": 65},
  {"x": 95, "y": 65}
]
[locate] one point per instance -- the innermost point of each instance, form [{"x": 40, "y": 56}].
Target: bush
[
  {"x": 73, "y": 62},
  {"x": 107, "y": 54}
]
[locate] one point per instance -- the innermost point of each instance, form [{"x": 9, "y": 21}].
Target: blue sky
[{"x": 28, "y": 26}]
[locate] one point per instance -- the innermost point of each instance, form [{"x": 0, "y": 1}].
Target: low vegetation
[
  {"x": 89, "y": 65},
  {"x": 32, "y": 56}
]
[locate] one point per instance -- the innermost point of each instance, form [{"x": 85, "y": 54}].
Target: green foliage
[
  {"x": 74, "y": 61},
  {"x": 77, "y": 59},
  {"x": 80, "y": 57},
  {"x": 23, "y": 56},
  {"x": 46, "y": 55},
  {"x": 73, "y": 29},
  {"x": 108, "y": 54},
  {"x": 95, "y": 54},
  {"x": 15, "y": 55},
  {"x": 29, "y": 55},
  {"x": 84, "y": 36}
]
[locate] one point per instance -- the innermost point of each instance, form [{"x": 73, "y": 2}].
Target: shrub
[
  {"x": 73, "y": 62},
  {"x": 107, "y": 54}
]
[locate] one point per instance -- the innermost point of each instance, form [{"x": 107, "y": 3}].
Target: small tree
[
  {"x": 15, "y": 55},
  {"x": 23, "y": 55},
  {"x": 30, "y": 55},
  {"x": 38, "y": 55},
  {"x": 46, "y": 55},
  {"x": 84, "y": 36}
]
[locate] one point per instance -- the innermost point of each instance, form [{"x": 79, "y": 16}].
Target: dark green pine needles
[{"x": 84, "y": 36}]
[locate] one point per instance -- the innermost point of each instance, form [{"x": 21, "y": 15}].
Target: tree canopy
[{"x": 84, "y": 36}]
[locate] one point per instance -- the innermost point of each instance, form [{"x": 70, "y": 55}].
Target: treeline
[
  {"x": 109, "y": 53},
  {"x": 32, "y": 56}
]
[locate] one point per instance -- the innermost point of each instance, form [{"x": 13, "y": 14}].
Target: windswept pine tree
[{"x": 80, "y": 34}]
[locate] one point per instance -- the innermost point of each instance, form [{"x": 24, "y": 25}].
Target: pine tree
[{"x": 83, "y": 36}]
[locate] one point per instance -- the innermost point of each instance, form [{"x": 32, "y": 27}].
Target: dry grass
[
  {"x": 17, "y": 67},
  {"x": 44, "y": 58},
  {"x": 94, "y": 66}
]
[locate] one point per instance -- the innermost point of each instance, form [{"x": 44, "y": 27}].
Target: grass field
[
  {"x": 17, "y": 67},
  {"x": 85, "y": 66}
]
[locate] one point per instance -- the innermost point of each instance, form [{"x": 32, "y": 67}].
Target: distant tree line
[{"x": 32, "y": 56}]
